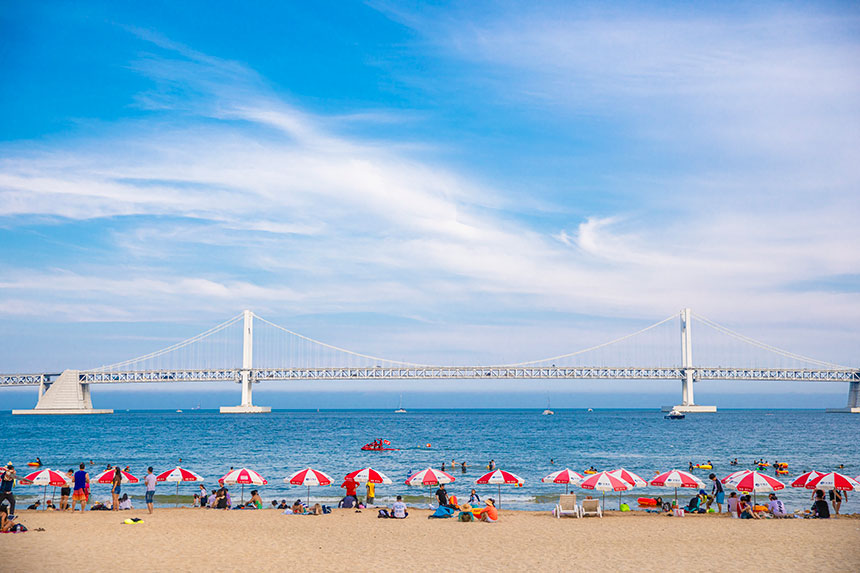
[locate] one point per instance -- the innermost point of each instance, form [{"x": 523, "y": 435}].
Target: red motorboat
[{"x": 378, "y": 446}]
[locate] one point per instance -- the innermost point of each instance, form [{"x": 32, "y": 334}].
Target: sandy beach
[{"x": 210, "y": 540}]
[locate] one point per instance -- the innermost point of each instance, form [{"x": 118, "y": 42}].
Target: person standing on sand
[
  {"x": 149, "y": 480},
  {"x": 717, "y": 493},
  {"x": 442, "y": 495},
  {"x": 6, "y": 484},
  {"x": 371, "y": 493},
  {"x": 116, "y": 488},
  {"x": 82, "y": 486}
]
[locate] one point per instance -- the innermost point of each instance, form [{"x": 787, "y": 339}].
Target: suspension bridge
[{"x": 248, "y": 349}]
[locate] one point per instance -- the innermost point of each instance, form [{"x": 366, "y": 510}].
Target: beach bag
[
  {"x": 625, "y": 507},
  {"x": 326, "y": 509},
  {"x": 18, "y": 528},
  {"x": 383, "y": 514},
  {"x": 679, "y": 512}
]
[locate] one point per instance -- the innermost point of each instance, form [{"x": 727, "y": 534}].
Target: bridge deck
[{"x": 448, "y": 373}]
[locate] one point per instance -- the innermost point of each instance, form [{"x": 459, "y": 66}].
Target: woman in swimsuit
[{"x": 116, "y": 488}]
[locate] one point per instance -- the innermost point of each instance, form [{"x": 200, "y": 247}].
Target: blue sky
[{"x": 476, "y": 175}]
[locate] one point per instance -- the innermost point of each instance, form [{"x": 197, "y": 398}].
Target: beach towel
[{"x": 442, "y": 511}]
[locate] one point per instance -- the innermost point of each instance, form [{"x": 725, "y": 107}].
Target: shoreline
[{"x": 186, "y": 538}]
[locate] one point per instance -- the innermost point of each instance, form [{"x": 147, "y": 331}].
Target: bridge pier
[
  {"x": 65, "y": 395},
  {"x": 247, "y": 380},
  {"x": 688, "y": 403},
  {"x": 853, "y": 406}
]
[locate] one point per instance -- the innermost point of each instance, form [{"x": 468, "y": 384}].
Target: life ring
[
  {"x": 764, "y": 465},
  {"x": 589, "y": 472},
  {"x": 782, "y": 472},
  {"x": 759, "y": 508},
  {"x": 647, "y": 501},
  {"x": 704, "y": 466},
  {"x": 33, "y": 464}
]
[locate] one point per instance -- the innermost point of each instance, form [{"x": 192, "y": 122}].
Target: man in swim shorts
[
  {"x": 149, "y": 480},
  {"x": 82, "y": 484},
  {"x": 717, "y": 493}
]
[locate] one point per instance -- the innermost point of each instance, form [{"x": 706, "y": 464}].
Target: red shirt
[{"x": 350, "y": 486}]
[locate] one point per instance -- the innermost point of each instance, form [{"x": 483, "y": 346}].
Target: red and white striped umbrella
[
  {"x": 566, "y": 476},
  {"x": 676, "y": 479},
  {"x": 629, "y": 477},
  {"x": 243, "y": 476},
  {"x": 500, "y": 477},
  {"x": 45, "y": 478},
  {"x": 834, "y": 480},
  {"x": 802, "y": 480},
  {"x": 308, "y": 477},
  {"x": 368, "y": 475},
  {"x": 755, "y": 482},
  {"x": 605, "y": 481},
  {"x": 107, "y": 476},
  {"x": 177, "y": 475},
  {"x": 429, "y": 476},
  {"x": 734, "y": 475}
]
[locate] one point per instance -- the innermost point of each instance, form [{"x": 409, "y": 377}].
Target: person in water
[{"x": 463, "y": 467}]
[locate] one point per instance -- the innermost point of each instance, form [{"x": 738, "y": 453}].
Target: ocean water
[{"x": 521, "y": 441}]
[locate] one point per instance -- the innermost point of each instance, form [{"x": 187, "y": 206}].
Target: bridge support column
[
  {"x": 247, "y": 381},
  {"x": 688, "y": 403},
  {"x": 66, "y": 395},
  {"x": 853, "y": 406}
]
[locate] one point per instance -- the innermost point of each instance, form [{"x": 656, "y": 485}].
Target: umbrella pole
[
  {"x": 44, "y": 495},
  {"x": 177, "y": 495},
  {"x": 243, "y": 495},
  {"x": 309, "y": 494},
  {"x": 500, "y": 496}
]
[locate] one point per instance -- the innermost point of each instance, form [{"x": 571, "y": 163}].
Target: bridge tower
[
  {"x": 65, "y": 395},
  {"x": 247, "y": 374},
  {"x": 688, "y": 404},
  {"x": 853, "y": 406}
]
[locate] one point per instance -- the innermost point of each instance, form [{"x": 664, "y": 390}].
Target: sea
[{"x": 523, "y": 442}]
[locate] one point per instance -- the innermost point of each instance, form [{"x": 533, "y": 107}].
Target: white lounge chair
[
  {"x": 567, "y": 505},
  {"x": 590, "y": 507}
]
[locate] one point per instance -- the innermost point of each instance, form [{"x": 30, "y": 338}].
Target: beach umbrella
[
  {"x": 566, "y": 476},
  {"x": 733, "y": 476},
  {"x": 605, "y": 481},
  {"x": 368, "y": 475},
  {"x": 308, "y": 477},
  {"x": 107, "y": 476},
  {"x": 45, "y": 478},
  {"x": 243, "y": 476},
  {"x": 178, "y": 475},
  {"x": 500, "y": 477},
  {"x": 429, "y": 476},
  {"x": 755, "y": 482},
  {"x": 802, "y": 480},
  {"x": 834, "y": 480},
  {"x": 676, "y": 479},
  {"x": 629, "y": 477}
]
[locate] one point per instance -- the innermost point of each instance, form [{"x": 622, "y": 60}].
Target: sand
[{"x": 212, "y": 540}]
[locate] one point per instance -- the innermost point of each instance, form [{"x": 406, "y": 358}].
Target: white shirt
[
  {"x": 399, "y": 509},
  {"x": 149, "y": 480}
]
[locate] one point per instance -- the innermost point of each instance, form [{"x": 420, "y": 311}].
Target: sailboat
[
  {"x": 548, "y": 412},
  {"x": 400, "y": 409}
]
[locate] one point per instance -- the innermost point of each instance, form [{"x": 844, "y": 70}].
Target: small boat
[
  {"x": 590, "y": 410},
  {"x": 379, "y": 446},
  {"x": 178, "y": 411},
  {"x": 674, "y": 415},
  {"x": 547, "y": 412},
  {"x": 400, "y": 409}
]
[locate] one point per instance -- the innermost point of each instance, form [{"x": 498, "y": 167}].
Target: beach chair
[
  {"x": 590, "y": 507},
  {"x": 567, "y": 505}
]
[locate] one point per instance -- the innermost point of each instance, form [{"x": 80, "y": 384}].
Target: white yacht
[
  {"x": 400, "y": 409},
  {"x": 548, "y": 412}
]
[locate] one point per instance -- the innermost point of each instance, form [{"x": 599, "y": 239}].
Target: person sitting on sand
[
  {"x": 775, "y": 506},
  {"x": 50, "y": 505},
  {"x": 316, "y": 510},
  {"x": 283, "y": 504},
  {"x": 256, "y": 501},
  {"x": 489, "y": 513},
  {"x": 298, "y": 508},
  {"x": 745, "y": 509},
  {"x": 819, "y": 508},
  {"x": 34, "y": 505},
  {"x": 125, "y": 502},
  {"x": 732, "y": 504},
  {"x": 6, "y": 522},
  {"x": 398, "y": 509}
]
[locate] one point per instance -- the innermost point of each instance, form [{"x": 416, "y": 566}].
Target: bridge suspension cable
[
  {"x": 768, "y": 347},
  {"x": 337, "y": 348},
  {"x": 592, "y": 348},
  {"x": 172, "y": 348}
]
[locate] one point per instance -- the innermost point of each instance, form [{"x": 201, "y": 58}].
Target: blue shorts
[
  {"x": 149, "y": 495},
  {"x": 721, "y": 497},
  {"x": 117, "y": 490}
]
